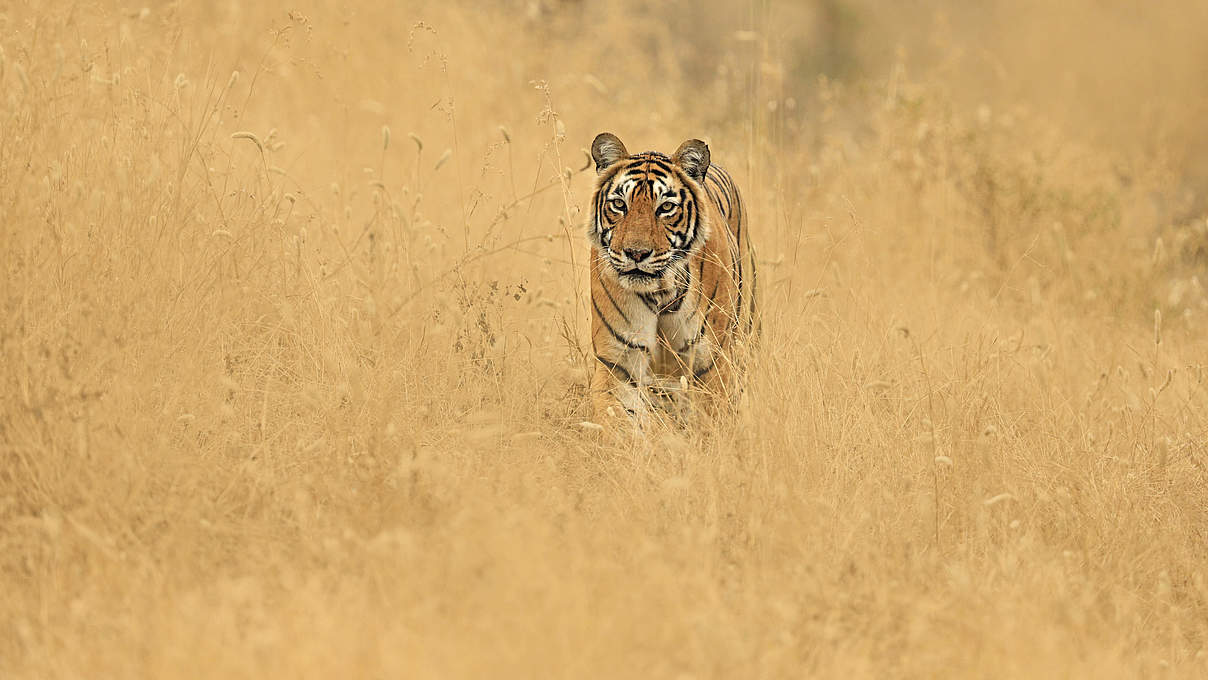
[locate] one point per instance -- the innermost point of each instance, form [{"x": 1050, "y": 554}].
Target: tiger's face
[{"x": 647, "y": 215}]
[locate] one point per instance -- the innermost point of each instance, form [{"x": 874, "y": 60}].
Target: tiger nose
[{"x": 637, "y": 254}]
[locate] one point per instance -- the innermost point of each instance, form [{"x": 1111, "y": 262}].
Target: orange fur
[{"x": 672, "y": 277}]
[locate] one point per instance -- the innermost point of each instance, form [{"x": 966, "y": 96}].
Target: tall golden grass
[{"x": 293, "y": 323}]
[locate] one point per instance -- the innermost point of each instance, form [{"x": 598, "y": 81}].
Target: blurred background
[{"x": 294, "y": 334}]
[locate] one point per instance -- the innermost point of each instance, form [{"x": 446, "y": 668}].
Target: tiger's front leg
[
  {"x": 708, "y": 363},
  {"x": 619, "y": 387},
  {"x": 714, "y": 379},
  {"x": 622, "y": 335}
]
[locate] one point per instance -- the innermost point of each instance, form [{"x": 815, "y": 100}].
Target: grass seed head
[
  {"x": 444, "y": 158},
  {"x": 251, "y": 137}
]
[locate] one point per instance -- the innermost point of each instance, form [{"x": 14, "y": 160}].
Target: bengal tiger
[{"x": 672, "y": 277}]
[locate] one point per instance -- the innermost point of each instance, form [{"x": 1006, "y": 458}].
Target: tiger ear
[
  {"x": 606, "y": 150},
  {"x": 693, "y": 157}
]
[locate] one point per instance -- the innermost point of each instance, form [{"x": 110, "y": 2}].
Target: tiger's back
[{"x": 728, "y": 200}]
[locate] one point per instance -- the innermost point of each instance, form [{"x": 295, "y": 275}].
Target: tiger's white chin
[{"x": 643, "y": 282}]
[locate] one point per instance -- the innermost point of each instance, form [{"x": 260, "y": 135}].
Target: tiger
[{"x": 672, "y": 279}]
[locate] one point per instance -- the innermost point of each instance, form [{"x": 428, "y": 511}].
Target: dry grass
[{"x": 292, "y": 360}]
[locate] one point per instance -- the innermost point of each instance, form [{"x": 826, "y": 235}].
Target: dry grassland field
[{"x": 295, "y": 342}]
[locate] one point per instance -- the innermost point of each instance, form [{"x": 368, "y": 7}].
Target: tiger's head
[{"x": 648, "y": 214}]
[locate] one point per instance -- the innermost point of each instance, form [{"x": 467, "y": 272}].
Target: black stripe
[
  {"x": 725, "y": 177},
  {"x": 713, "y": 303},
  {"x": 649, "y": 302},
  {"x": 676, "y": 302},
  {"x": 693, "y": 213},
  {"x": 615, "y": 368},
  {"x": 601, "y": 199},
  {"x": 714, "y": 197},
  {"x": 611, "y": 298},
  {"x": 612, "y": 330},
  {"x": 654, "y": 157},
  {"x": 738, "y": 276},
  {"x": 751, "y": 317},
  {"x": 683, "y": 223},
  {"x": 679, "y": 219},
  {"x": 713, "y": 298},
  {"x": 680, "y": 293},
  {"x": 634, "y": 173},
  {"x": 701, "y": 373},
  {"x": 721, "y": 192},
  {"x": 700, "y": 282},
  {"x": 741, "y": 217}
]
